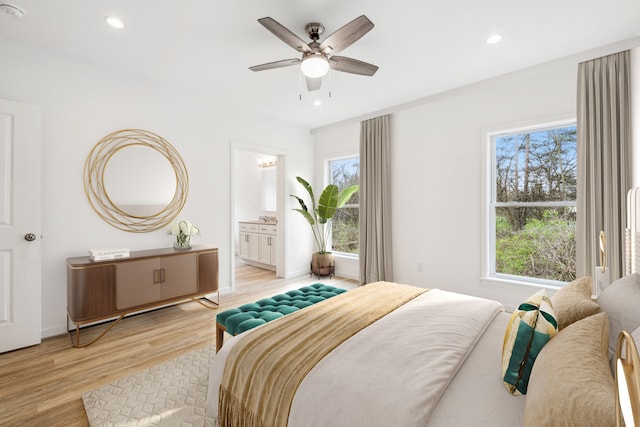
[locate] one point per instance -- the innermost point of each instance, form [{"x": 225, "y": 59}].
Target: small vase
[{"x": 182, "y": 242}]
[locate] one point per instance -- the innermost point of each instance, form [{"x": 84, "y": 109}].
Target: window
[
  {"x": 533, "y": 204},
  {"x": 345, "y": 226}
]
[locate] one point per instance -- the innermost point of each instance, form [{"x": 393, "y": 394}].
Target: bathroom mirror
[
  {"x": 269, "y": 190},
  {"x": 135, "y": 180}
]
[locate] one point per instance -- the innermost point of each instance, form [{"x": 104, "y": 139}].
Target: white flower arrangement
[{"x": 183, "y": 230}]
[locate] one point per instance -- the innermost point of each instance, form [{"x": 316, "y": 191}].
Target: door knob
[{"x": 29, "y": 237}]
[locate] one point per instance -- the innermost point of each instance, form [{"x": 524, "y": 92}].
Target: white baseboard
[{"x": 53, "y": 331}]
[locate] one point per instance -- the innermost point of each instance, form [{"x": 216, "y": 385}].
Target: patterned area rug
[{"x": 173, "y": 393}]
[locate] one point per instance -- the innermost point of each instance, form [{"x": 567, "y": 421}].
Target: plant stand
[
  {"x": 331, "y": 273},
  {"x": 322, "y": 265}
]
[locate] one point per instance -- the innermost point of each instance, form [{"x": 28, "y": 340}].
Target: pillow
[
  {"x": 573, "y": 302},
  {"x": 531, "y": 326},
  {"x": 620, "y": 301},
  {"x": 571, "y": 384}
]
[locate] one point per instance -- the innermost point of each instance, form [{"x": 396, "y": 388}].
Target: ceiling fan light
[{"x": 314, "y": 66}]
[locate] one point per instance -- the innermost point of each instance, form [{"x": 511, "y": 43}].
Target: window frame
[
  {"x": 489, "y": 272},
  {"x": 329, "y": 180}
]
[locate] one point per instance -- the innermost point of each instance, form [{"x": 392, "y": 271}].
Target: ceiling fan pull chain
[{"x": 300, "y": 77}]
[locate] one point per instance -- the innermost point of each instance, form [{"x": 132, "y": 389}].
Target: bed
[
  {"x": 410, "y": 349},
  {"x": 437, "y": 359},
  {"x": 421, "y": 365}
]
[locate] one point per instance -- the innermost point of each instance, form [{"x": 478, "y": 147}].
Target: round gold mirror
[{"x": 135, "y": 180}]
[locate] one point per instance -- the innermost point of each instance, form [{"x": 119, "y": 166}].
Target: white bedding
[
  {"x": 429, "y": 362},
  {"x": 477, "y": 396}
]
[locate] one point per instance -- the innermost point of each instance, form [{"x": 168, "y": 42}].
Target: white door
[{"x": 20, "y": 226}]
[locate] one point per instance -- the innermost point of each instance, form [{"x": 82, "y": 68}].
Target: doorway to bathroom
[{"x": 257, "y": 232}]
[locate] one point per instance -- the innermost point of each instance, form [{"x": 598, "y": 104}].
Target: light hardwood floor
[{"x": 43, "y": 385}]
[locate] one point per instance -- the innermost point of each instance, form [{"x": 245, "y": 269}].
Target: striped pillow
[{"x": 531, "y": 326}]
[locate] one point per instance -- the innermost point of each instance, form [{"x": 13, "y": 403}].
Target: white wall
[
  {"x": 439, "y": 153},
  {"x": 438, "y": 169},
  {"x": 248, "y": 186},
  {"x": 81, "y": 103}
]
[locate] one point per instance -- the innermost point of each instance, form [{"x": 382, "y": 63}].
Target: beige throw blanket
[{"x": 266, "y": 368}]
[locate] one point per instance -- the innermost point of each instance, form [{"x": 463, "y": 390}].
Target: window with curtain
[
  {"x": 532, "y": 212},
  {"x": 343, "y": 173}
]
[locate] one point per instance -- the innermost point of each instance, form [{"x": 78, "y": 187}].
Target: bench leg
[{"x": 219, "y": 336}]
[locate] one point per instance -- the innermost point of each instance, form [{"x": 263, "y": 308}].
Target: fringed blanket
[{"x": 267, "y": 366}]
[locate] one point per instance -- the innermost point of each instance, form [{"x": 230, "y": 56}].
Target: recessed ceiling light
[
  {"x": 114, "y": 21},
  {"x": 493, "y": 39},
  {"x": 12, "y": 10},
  {"x": 317, "y": 103}
]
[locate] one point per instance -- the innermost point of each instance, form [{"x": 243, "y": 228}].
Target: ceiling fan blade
[
  {"x": 275, "y": 64},
  {"x": 313, "y": 83},
  {"x": 284, "y": 34},
  {"x": 353, "y": 66},
  {"x": 346, "y": 36}
]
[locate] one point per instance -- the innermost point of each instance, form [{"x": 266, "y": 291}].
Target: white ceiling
[{"x": 421, "y": 46}]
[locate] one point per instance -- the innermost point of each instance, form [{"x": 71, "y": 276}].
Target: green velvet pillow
[{"x": 531, "y": 326}]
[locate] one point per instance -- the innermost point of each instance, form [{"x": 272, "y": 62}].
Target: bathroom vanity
[{"x": 257, "y": 243}]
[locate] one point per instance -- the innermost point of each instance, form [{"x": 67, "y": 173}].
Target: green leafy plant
[
  {"x": 545, "y": 248},
  {"x": 320, "y": 215}
]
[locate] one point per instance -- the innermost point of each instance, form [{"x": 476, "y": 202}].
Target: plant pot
[{"x": 322, "y": 264}]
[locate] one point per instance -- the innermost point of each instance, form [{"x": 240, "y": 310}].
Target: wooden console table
[{"x": 100, "y": 290}]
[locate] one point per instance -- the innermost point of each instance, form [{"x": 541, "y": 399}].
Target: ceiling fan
[{"x": 317, "y": 57}]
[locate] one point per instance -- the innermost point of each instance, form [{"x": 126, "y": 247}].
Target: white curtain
[
  {"x": 604, "y": 158},
  {"x": 375, "y": 201}
]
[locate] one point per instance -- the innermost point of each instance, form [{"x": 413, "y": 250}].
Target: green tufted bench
[{"x": 248, "y": 316}]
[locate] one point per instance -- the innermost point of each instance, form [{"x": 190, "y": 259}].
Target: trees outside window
[
  {"x": 345, "y": 226},
  {"x": 533, "y": 203}
]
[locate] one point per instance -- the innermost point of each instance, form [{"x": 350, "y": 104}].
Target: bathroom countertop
[{"x": 260, "y": 222}]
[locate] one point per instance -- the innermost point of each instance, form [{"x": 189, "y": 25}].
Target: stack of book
[{"x": 108, "y": 253}]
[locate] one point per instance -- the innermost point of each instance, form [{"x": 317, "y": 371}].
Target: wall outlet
[{"x": 420, "y": 267}]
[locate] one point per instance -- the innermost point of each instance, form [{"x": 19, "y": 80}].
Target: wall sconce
[
  {"x": 267, "y": 162},
  {"x": 627, "y": 382}
]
